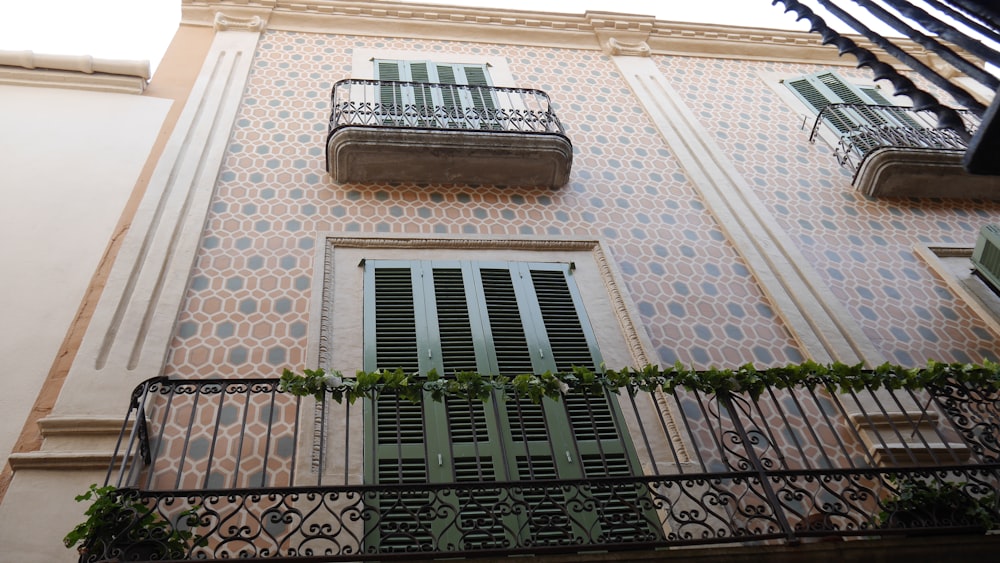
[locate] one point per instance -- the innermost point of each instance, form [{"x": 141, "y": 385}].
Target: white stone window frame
[
  {"x": 335, "y": 339},
  {"x": 953, "y": 264}
]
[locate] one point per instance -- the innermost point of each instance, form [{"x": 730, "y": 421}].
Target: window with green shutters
[
  {"x": 442, "y": 104},
  {"x": 824, "y": 88},
  {"x": 494, "y": 318}
]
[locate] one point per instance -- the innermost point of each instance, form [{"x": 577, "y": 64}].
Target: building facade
[{"x": 678, "y": 213}]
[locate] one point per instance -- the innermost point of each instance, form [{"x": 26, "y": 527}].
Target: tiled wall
[
  {"x": 246, "y": 312},
  {"x": 862, "y": 248}
]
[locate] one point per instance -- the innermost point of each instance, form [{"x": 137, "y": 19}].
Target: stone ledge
[
  {"x": 60, "y": 460},
  {"x": 77, "y": 425},
  {"x": 96, "y": 82},
  {"x": 395, "y": 154},
  {"x": 898, "y": 439},
  {"x": 902, "y": 172}
]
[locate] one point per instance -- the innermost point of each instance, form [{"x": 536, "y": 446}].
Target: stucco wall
[{"x": 70, "y": 160}]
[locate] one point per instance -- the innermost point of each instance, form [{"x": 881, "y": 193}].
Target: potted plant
[
  {"x": 938, "y": 504},
  {"x": 120, "y": 526}
]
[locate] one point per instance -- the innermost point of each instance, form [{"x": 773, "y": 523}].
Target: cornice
[
  {"x": 26, "y": 68},
  {"x": 41, "y": 78},
  {"x": 593, "y": 30},
  {"x": 76, "y": 63}
]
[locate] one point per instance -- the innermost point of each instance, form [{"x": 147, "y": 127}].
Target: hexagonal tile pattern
[
  {"x": 862, "y": 248},
  {"x": 252, "y": 281}
]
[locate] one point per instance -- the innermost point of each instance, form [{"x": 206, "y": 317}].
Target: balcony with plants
[{"x": 321, "y": 467}]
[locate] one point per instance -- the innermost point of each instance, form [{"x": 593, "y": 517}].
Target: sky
[{"x": 142, "y": 29}]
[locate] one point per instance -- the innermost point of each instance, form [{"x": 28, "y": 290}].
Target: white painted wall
[{"x": 68, "y": 163}]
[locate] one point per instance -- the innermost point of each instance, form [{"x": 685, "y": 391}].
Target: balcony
[
  {"x": 272, "y": 476},
  {"x": 384, "y": 131},
  {"x": 948, "y": 42},
  {"x": 897, "y": 152}
]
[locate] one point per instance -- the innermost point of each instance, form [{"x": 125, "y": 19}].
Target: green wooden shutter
[
  {"x": 391, "y": 98},
  {"x": 396, "y": 441},
  {"x": 483, "y": 100},
  {"x": 477, "y": 75},
  {"x": 441, "y": 105},
  {"x": 603, "y": 446},
  {"x": 807, "y": 89},
  {"x": 851, "y": 94},
  {"x": 450, "y": 96},
  {"x": 502, "y": 318},
  {"x": 824, "y": 88},
  {"x": 424, "y": 103},
  {"x": 875, "y": 95}
]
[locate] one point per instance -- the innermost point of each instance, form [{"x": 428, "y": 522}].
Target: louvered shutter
[
  {"x": 424, "y": 102},
  {"x": 537, "y": 434},
  {"x": 397, "y": 437},
  {"x": 824, "y": 88},
  {"x": 451, "y": 102},
  {"x": 601, "y": 441},
  {"x": 483, "y": 100},
  {"x": 875, "y": 95},
  {"x": 446, "y": 103},
  {"x": 501, "y": 318},
  {"x": 391, "y": 97}
]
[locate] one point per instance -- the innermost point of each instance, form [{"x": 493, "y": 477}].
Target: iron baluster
[{"x": 758, "y": 468}]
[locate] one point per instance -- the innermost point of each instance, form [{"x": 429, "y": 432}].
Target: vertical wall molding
[
  {"x": 818, "y": 322},
  {"x": 128, "y": 338}
]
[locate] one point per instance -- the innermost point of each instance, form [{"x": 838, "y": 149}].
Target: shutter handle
[
  {"x": 541, "y": 353},
  {"x": 430, "y": 353},
  {"x": 440, "y": 460},
  {"x": 569, "y": 458}
]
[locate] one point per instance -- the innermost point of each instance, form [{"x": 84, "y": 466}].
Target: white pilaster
[
  {"x": 127, "y": 339},
  {"x": 821, "y": 325}
]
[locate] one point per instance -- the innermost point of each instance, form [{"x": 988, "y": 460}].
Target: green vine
[
  {"x": 118, "y": 520},
  {"x": 918, "y": 503},
  {"x": 744, "y": 379}
]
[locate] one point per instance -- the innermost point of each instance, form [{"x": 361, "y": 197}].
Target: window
[
  {"x": 824, "y": 88},
  {"x": 497, "y": 318},
  {"x": 891, "y": 150},
  {"x": 452, "y": 98},
  {"x": 953, "y": 263}
]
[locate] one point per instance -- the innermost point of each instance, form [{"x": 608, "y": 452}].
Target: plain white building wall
[{"x": 69, "y": 160}]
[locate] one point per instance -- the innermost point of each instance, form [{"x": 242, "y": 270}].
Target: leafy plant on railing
[
  {"x": 119, "y": 524},
  {"x": 744, "y": 379},
  {"x": 919, "y": 503}
]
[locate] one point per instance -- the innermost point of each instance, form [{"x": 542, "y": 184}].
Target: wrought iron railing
[
  {"x": 418, "y": 105},
  {"x": 270, "y": 476},
  {"x": 874, "y": 127}
]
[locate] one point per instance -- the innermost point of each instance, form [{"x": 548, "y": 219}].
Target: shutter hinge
[{"x": 361, "y": 264}]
